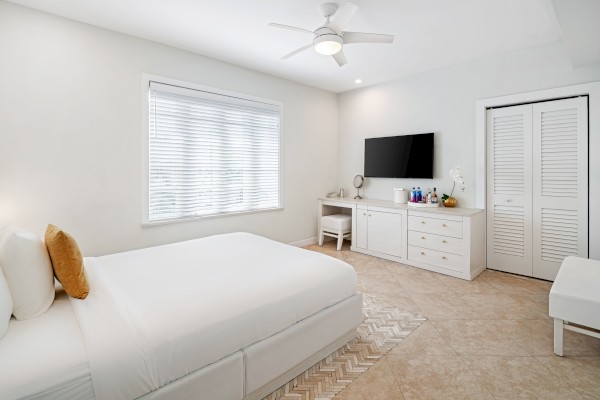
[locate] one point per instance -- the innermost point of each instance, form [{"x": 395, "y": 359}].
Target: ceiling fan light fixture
[{"x": 328, "y": 44}]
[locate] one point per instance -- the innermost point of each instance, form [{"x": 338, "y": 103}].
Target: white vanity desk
[{"x": 450, "y": 241}]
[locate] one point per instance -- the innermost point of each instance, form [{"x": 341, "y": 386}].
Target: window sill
[{"x": 147, "y": 224}]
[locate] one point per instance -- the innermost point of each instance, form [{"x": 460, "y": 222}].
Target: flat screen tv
[{"x": 408, "y": 156}]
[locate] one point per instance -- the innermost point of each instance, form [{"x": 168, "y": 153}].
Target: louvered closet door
[
  {"x": 509, "y": 235},
  {"x": 560, "y": 189}
]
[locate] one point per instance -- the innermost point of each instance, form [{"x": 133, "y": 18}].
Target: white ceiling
[
  {"x": 429, "y": 33},
  {"x": 580, "y": 27}
]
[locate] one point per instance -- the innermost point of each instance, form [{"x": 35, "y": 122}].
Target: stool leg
[
  {"x": 321, "y": 237},
  {"x": 558, "y": 336},
  {"x": 340, "y": 240}
]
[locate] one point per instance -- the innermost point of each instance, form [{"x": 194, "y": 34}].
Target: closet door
[
  {"x": 560, "y": 184},
  {"x": 509, "y": 202}
]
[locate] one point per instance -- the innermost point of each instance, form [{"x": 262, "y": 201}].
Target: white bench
[
  {"x": 575, "y": 299},
  {"x": 336, "y": 225}
]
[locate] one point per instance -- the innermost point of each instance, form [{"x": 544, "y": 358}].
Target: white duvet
[{"x": 157, "y": 314}]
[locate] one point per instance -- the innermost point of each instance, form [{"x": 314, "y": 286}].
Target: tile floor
[{"x": 486, "y": 339}]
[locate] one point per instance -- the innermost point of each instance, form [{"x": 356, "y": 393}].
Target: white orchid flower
[{"x": 457, "y": 178}]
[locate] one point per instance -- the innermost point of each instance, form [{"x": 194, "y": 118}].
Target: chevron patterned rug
[{"x": 383, "y": 328}]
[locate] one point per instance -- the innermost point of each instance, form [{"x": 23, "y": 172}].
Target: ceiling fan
[{"x": 330, "y": 37}]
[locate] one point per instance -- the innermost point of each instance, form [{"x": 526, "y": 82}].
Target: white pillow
[
  {"x": 26, "y": 265},
  {"x": 6, "y": 305}
]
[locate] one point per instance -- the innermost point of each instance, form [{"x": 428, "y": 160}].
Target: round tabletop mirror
[{"x": 359, "y": 181}]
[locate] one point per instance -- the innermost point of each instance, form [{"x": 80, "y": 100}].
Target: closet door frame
[{"x": 592, "y": 90}]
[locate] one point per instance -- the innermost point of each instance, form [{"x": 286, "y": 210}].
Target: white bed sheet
[
  {"x": 45, "y": 357},
  {"x": 155, "y": 315}
]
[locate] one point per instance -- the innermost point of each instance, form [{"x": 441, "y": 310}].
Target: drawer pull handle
[
  {"x": 444, "y": 257},
  {"x": 443, "y": 241},
  {"x": 508, "y": 200},
  {"x": 370, "y": 215},
  {"x": 422, "y": 253},
  {"x": 423, "y": 237},
  {"x": 422, "y": 222},
  {"x": 364, "y": 213},
  {"x": 444, "y": 225}
]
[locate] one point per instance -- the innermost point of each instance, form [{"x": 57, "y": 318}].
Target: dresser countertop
[{"x": 458, "y": 211}]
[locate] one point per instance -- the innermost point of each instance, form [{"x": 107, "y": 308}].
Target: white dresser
[{"x": 450, "y": 241}]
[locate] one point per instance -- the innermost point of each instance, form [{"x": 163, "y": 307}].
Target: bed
[{"x": 225, "y": 317}]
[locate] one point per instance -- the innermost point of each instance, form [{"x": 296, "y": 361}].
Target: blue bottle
[
  {"x": 413, "y": 195},
  {"x": 419, "y": 195}
]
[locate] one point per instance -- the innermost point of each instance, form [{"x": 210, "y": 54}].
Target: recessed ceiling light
[{"x": 357, "y": 81}]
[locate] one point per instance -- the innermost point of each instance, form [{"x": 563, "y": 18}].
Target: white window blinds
[{"x": 211, "y": 154}]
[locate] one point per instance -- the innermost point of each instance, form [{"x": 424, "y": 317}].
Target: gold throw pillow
[{"x": 67, "y": 262}]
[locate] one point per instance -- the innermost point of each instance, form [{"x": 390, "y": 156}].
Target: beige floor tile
[
  {"x": 377, "y": 383},
  {"x": 479, "y": 285},
  {"x": 421, "y": 282},
  {"x": 362, "y": 287},
  {"x": 436, "y": 377},
  {"x": 516, "y": 284},
  {"x": 399, "y": 269},
  {"x": 444, "y": 305},
  {"x": 581, "y": 373},
  {"x": 537, "y": 337},
  {"x": 424, "y": 340},
  {"x": 354, "y": 257},
  {"x": 481, "y": 337},
  {"x": 400, "y": 299},
  {"x": 504, "y": 306},
  {"x": 371, "y": 268},
  {"x": 377, "y": 284},
  {"x": 519, "y": 378},
  {"x": 540, "y": 301}
]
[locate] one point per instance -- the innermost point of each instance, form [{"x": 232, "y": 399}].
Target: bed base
[
  {"x": 240, "y": 376},
  {"x": 300, "y": 368}
]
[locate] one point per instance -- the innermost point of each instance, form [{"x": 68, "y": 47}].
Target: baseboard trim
[{"x": 305, "y": 242}]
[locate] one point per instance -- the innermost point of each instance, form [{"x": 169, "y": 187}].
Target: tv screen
[{"x": 409, "y": 156}]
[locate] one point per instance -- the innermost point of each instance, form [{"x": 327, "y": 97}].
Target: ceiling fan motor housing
[{"x": 328, "y": 9}]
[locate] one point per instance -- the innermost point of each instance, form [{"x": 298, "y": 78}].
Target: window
[{"x": 210, "y": 154}]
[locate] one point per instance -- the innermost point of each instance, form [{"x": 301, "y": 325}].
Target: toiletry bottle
[
  {"x": 428, "y": 196},
  {"x": 434, "y": 198},
  {"x": 419, "y": 195},
  {"x": 413, "y": 195}
]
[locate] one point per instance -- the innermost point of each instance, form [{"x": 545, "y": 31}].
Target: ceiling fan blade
[
  {"x": 359, "y": 37},
  {"x": 342, "y": 16},
  {"x": 290, "y": 28},
  {"x": 340, "y": 58},
  {"x": 300, "y": 50}
]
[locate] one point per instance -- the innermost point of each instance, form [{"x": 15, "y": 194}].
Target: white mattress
[
  {"x": 155, "y": 315},
  {"x": 45, "y": 357}
]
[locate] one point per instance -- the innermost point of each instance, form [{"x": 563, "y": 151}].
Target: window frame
[{"x": 236, "y": 96}]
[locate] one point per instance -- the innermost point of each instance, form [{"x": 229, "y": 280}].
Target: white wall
[
  {"x": 70, "y": 134},
  {"x": 443, "y": 101}
]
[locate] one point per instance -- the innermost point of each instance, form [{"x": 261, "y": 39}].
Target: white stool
[
  {"x": 575, "y": 298},
  {"x": 338, "y": 226}
]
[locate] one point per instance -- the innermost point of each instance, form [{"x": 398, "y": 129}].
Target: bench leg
[
  {"x": 340, "y": 240},
  {"x": 321, "y": 238},
  {"x": 558, "y": 336}
]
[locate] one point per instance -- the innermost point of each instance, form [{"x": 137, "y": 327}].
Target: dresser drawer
[
  {"x": 450, "y": 261},
  {"x": 436, "y": 226},
  {"x": 445, "y": 244}
]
